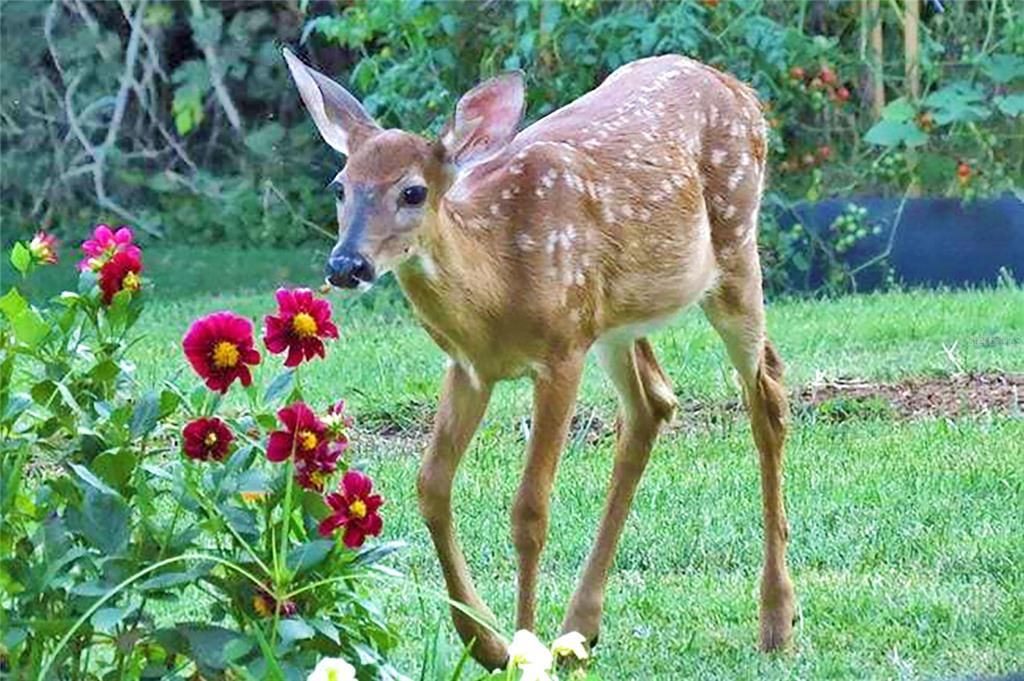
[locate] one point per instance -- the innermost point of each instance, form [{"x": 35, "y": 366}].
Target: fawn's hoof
[{"x": 776, "y": 628}]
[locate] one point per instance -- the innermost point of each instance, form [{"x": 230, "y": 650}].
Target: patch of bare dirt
[
  {"x": 951, "y": 396},
  {"x": 834, "y": 400}
]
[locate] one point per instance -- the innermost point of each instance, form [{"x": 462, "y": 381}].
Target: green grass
[{"x": 906, "y": 543}]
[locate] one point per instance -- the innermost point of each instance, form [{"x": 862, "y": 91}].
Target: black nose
[{"x": 349, "y": 270}]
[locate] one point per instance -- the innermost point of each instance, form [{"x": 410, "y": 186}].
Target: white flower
[
  {"x": 333, "y": 669},
  {"x": 527, "y": 654},
  {"x": 570, "y": 644}
]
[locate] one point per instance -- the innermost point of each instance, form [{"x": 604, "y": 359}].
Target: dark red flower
[
  {"x": 301, "y": 323},
  {"x": 355, "y": 509},
  {"x": 220, "y": 349},
  {"x": 311, "y": 471},
  {"x": 120, "y": 273},
  {"x": 304, "y": 434},
  {"x": 205, "y": 439}
]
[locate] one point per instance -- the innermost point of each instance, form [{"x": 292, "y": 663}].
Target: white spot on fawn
[{"x": 718, "y": 156}]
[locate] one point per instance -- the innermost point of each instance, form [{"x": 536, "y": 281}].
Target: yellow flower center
[
  {"x": 210, "y": 439},
  {"x": 131, "y": 281},
  {"x": 260, "y": 605},
  {"x": 357, "y": 509},
  {"x": 304, "y": 325},
  {"x": 225, "y": 355},
  {"x": 307, "y": 440}
]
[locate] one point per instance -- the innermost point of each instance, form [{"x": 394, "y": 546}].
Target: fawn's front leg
[
  {"x": 461, "y": 407},
  {"x": 554, "y": 396}
]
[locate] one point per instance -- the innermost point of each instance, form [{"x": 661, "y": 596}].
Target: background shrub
[{"x": 179, "y": 118}]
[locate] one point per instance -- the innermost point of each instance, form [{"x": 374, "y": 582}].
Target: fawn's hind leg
[
  {"x": 736, "y": 310},
  {"x": 646, "y": 401}
]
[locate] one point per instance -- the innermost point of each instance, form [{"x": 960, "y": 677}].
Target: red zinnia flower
[
  {"x": 355, "y": 509},
  {"x": 104, "y": 244},
  {"x": 311, "y": 471},
  {"x": 205, "y": 439},
  {"x": 219, "y": 348},
  {"x": 304, "y": 434},
  {"x": 302, "y": 321},
  {"x": 43, "y": 248},
  {"x": 120, "y": 273}
]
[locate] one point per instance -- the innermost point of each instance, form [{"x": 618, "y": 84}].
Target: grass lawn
[{"x": 907, "y": 546}]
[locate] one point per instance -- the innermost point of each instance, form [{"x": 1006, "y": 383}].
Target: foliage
[
  {"x": 121, "y": 558},
  {"x": 180, "y": 117}
]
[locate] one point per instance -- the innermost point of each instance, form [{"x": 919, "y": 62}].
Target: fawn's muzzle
[{"x": 349, "y": 270}]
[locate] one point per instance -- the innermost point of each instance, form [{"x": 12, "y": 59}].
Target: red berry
[
  {"x": 963, "y": 170},
  {"x": 842, "y": 94},
  {"x": 824, "y": 152},
  {"x": 827, "y": 75},
  {"x": 796, "y": 73}
]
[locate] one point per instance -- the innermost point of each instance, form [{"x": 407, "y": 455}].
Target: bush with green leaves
[
  {"x": 180, "y": 117},
  {"x": 135, "y": 548}
]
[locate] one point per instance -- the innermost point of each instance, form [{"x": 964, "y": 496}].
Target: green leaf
[
  {"x": 1011, "y": 105},
  {"x": 280, "y": 386},
  {"x": 899, "y": 110},
  {"x": 21, "y": 258},
  {"x": 12, "y": 304},
  {"x": 210, "y": 645},
  {"x": 1003, "y": 68},
  {"x": 307, "y": 556},
  {"x": 327, "y": 628},
  {"x": 170, "y": 579},
  {"x": 169, "y": 403},
  {"x": 294, "y": 629},
  {"x": 959, "y": 101},
  {"x": 115, "y": 467},
  {"x": 104, "y": 520},
  {"x": 375, "y": 554},
  {"x": 29, "y": 328},
  {"x": 145, "y": 414},
  {"x": 264, "y": 140},
  {"x": 890, "y": 134},
  {"x": 105, "y": 619},
  {"x": 91, "y": 480}
]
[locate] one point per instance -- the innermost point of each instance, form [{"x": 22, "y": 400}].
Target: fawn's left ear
[
  {"x": 340, "y": 118},
  {"x": 485, "y": 119}
]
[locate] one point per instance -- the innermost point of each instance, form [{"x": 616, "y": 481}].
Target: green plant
[{"x": 132, "y": 548}]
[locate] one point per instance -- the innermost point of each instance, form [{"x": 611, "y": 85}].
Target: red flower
[
  {"x": 302, "y": 321},
  {"x": 311, "y": 471},
  {"x": 219, "y": 348},
  {"x": 120, "y": 273},
  {"x": 355, "y": 509},
  {"x": 104, "y": 244},
  {"x": 43, "y": 248},
  {"x": 304, "y": 435},
  {"x": 205, "y": 439}
]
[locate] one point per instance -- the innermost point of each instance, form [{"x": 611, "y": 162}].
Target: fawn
[{"x": 519, "y": 251}]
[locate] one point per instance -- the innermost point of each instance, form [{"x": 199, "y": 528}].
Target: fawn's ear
[
  {"x": 340, "y": 118},
  {"x": 485, "y": 119}
]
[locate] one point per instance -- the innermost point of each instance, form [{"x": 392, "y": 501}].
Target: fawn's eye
[
  {"x": 414, "y": 195},
  {"x": 339, "y": 190}
]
